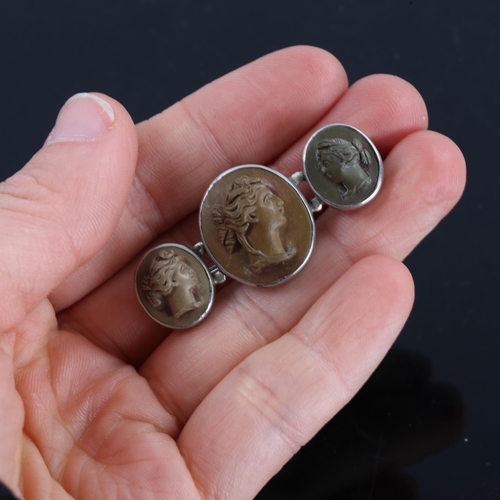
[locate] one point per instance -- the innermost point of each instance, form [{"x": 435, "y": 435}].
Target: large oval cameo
[{"x": 256, "y": 225}]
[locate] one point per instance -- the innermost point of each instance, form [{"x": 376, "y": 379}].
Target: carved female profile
[
  {"x": 251, "y": 217},
  {"x": 172, "y": 282},
  {"x": 340, "y": 161},
  {"x": 257, "y": 226}
]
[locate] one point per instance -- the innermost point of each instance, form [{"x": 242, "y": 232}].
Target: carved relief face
[
  {"x": 171, "y": 281},
  {"x": 184, "y": 297},
  {"x": 270, "y": 209},
  {"x": 174, "y": 286},
  {"x": 340, "y": 161},
  {"x": 185, "y": 277},
  {"x": 251, "y": 216},
  {"x": 245, "y": 226},
  {"x": 330, "y": 166}
]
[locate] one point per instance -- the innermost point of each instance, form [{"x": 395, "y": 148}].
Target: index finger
[{"x": 247, "y": 116}]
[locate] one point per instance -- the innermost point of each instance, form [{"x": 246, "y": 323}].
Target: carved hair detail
[
  {"x": 344, "y": 150},
  {"x": 159, "y": 283},
  {"x": 234, "y": 217}
]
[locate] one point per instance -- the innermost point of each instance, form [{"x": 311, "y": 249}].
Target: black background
[{"x": 426, "y": 426}]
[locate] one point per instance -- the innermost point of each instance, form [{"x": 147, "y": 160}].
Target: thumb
[{"x": 58, "y": 211}]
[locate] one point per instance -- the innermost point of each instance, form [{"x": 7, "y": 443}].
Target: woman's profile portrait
[
  {"x": 340, "y": 162},
  {"x": 251, "y": 217},
  {"x": 172, "y": 282}
]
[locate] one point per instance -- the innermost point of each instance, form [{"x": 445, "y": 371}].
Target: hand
[{"x": 97, "y": 400}]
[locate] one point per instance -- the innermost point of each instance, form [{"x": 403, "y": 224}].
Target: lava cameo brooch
[{"x": 257, "y": 227}]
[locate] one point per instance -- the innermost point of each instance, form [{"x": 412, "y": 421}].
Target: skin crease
[{"x": 96, "y": 400}]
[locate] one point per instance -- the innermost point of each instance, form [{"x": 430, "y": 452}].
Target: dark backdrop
[{"x": 426, "y": 425}]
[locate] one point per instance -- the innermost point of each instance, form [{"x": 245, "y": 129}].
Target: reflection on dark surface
[{"x": 398, "y": 418}]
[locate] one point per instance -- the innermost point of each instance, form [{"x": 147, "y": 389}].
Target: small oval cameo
[
  {"x": 342, "y": 166},
  {"x": 174, "y": 286},
  {"x": 256, "y": 225}
]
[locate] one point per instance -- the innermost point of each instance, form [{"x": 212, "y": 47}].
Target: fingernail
[{"x": 84, "y": 117}]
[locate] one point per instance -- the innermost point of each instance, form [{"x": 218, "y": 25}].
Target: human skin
[{"x": 97, "y": 400}]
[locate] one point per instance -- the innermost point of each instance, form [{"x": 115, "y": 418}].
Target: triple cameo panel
[{"x": 257, "y": 227}]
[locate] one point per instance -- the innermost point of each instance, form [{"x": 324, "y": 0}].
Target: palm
[{"x": 112, "y": 408}]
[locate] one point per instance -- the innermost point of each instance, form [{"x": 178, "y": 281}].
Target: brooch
[{"x": 257, "y": 227}]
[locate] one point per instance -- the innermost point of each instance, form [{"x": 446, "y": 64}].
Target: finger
[
  {"x": 384, "y": 107},
  {"x": 248, "y": 116},
  {"x": 11, "y": 420},
  {"x": 58, "y": 211},
  {"x": 273, "y": 402},
  {"x": 93, "y": 427},
  {"x": 112, "y": 317},
  {"x": 424, "y": 179}
]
